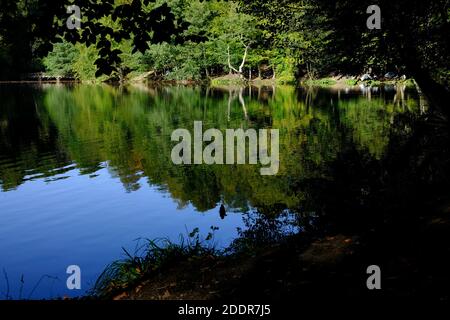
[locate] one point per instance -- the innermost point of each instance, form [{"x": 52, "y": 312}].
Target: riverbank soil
[{"x": 413, "y": 262}]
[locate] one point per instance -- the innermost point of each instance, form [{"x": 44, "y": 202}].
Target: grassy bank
[
  {"x": 150, "y": 258},
  {"x": 346, "y": 81},
  {"x": 305, "y": 264},
  {"x": 234, "y": 79}
]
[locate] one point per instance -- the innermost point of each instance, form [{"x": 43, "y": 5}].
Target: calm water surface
[{"x": 86, "y": 170}]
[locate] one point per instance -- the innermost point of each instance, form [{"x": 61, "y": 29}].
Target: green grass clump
[
  {"x": 351, "y": 82},
  {"x": 374, "y": 82},
  {"x": 325, "y": 82},
  {"x": 286, "y": 79},
  {"x": 228, "y": 80},
  {"x": 149, "y": 258}
]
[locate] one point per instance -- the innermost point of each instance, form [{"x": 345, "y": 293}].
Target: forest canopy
[{"x": 197, "y": 40}]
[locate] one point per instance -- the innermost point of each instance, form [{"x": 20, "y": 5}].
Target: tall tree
[
  {"x": 413, "y": 37},
  {"x": 32, "y": 27}
]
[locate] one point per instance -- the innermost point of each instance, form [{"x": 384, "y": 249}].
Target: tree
[
  {"x": 59, "y": 62},
  {"x": 31, "y": 28},
  {"x": 413, "y": 37},
  {"x": 238, "y": 32}
]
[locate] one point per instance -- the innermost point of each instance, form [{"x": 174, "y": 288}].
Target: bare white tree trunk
[
  {"x": 244, "y": 58},
  {"x": 229, "y": 61}
]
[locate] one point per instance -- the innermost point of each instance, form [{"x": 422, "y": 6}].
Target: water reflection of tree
[
  {"x": 262, "y": 229},
  {"x": 129, "y": 131}
]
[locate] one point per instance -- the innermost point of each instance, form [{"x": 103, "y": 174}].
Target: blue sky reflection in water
[{"x": 85, "y": 221}]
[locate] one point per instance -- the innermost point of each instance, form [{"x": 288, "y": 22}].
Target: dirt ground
[{"x": 301, "y": 266}]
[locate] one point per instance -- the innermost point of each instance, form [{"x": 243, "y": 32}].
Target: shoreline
[
  {"x": 312, "y": 266},
  {"x": 320, "y": 82}
]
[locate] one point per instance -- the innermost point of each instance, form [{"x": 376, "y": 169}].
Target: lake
[{"x": 86, "y": 169}]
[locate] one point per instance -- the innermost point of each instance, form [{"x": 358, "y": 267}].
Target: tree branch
[
  {"x": 243, "y": 59},
  {"x": 229, "y": 61}
]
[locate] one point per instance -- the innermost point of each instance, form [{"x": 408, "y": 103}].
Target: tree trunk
[
  {"x": 243, "y": 60},
  {"x": 437, "y": 95},
  {"x": 231, "y": 68}
]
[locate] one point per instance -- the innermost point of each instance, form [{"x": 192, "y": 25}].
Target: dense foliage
[
  {"x": 333, "y": 37},
  {"x": 215, "y": 38},
  {"x": 193, "y": 40},
  {"x": 29, "y": 29}
]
